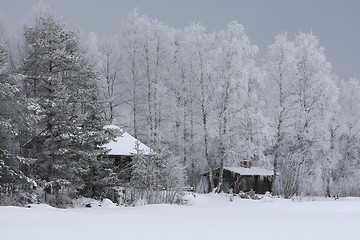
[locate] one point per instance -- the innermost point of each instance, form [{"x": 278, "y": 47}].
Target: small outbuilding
[
  {"x": 125, "y": 144},
  {"x": 124, "y": 147},
  {"x": 245, "y": 178}
]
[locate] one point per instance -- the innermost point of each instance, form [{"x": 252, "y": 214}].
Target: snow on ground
[{"x": 206, "y": 217}]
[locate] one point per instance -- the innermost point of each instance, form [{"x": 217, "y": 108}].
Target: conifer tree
[{"x": 63, "y": 85}]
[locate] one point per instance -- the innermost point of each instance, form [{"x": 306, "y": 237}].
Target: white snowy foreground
[{"x": 206, "y": 217}]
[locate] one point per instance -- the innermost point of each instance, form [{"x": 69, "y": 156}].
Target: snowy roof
[
  {"x": 253, "y": 171},
  {"x": 125, "y": 144}
]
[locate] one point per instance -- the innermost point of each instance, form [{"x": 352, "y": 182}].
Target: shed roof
[
  {"x": 125, "y": 145},
  {"x": 253, "y": 171}
]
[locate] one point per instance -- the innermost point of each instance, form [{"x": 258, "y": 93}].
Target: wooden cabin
[
  {"x": 123, "y": 148},
  {"x": 244, "y": 178},
  {"x": 125, "y": 144}
]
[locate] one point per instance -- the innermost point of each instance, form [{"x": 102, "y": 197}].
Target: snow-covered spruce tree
[
  {"x": 15, "y": 187},
  {"x": 9, "y": 105},
  {"x": 57, "y": 77},
  {"x": 13, "y": 105}
]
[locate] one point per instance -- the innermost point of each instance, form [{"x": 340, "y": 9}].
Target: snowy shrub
[
  {"x": 157, "y": 178},
  {"x": 15, "y": 187},
  {"x": 57, "y": 193}
]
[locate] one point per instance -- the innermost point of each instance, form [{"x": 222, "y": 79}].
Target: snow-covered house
[
  {"x": 125, "y": 144},
  {"x": 245, "y": 178},
  {"x": 124, "y": 147}
]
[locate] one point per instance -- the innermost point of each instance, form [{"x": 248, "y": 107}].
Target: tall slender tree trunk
[
  {"x": 279, "y": 132},
  {"x": 192, "y": 150},
  {"x": 343, "y": 167},
  {"x": 206, "y": 148},
  {"x": 135, "y": 105},
  {"x": 204, "y": 114},
  {"x": 223, "y": 134},
  {"x": 276, "y": 160}
]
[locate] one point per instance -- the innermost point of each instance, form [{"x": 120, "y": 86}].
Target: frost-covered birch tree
[
  {"x": 280, "y": 74},
  {"x": 233, "y": 53},
  {"x": 199, "y": 56},
  {"x": 313, "y": 77},
  {"x": 348, "y": 163},
  {"x": 112, "y": 87},
  {"x": 132, "y": 28}
]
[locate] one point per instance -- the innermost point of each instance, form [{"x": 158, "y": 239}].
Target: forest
[{"x": 198, "y": 98}]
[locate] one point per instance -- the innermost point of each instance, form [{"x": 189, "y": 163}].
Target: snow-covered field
[{"x": 206, "y": 217}]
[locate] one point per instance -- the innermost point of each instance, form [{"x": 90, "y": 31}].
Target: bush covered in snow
[{"x": 15, "y": 187}]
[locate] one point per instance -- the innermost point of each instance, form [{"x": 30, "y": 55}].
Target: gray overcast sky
[{"x": 335, "y": 22}]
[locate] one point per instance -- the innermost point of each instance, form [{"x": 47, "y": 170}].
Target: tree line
[{"x": 197, "y": 97}]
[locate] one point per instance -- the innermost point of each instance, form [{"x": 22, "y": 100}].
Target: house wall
[{"x": 259, "y": 184}]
